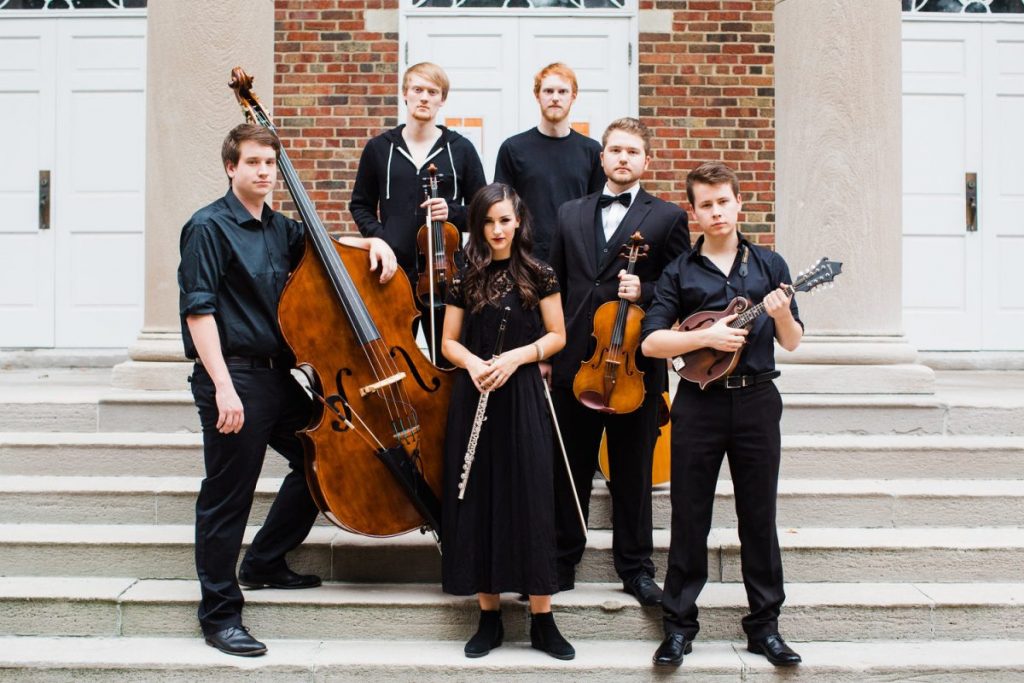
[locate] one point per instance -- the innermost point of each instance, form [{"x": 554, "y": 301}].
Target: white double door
[
  {"x": 963, "y": 114},
  {"x": 72, "y": 103},
  {"x": 491, "y": 62}
]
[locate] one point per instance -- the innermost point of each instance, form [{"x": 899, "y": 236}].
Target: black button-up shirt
[
  {"x": 235, "y": 268},
  {"x": 693, "y": 283}
]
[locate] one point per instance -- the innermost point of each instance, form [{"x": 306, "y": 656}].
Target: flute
[{"x": 481, "y": 413}]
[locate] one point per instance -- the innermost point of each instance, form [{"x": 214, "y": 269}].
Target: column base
[
  {"x": 833, "y": 364},
  {"x": 156, "y": 362}
]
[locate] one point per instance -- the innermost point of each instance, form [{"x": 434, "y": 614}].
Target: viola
[
  {"x": 609, "y": 380},
  {"x": 375, "y": 447},
  {"x": 436, "y": 244},
  {"x": 661, "y": 465}
]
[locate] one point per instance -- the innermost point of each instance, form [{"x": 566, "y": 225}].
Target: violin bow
[{"x": 565, "y": 457}]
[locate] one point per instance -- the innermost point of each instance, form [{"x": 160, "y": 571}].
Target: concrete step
[
  {"x": 833, "y": 503},
  {"x": 71, "y": 606},
  {"x": 831, "y": 456},
  {"x": 939, "y": 554},
  {"x": 101, "y": 408},
  {"x": 184, "y": 660}
]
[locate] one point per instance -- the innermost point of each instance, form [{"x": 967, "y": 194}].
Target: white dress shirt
[{"x": 612, "y": 215}]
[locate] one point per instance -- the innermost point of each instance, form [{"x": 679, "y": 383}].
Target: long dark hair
[{"x": 478, "y": 284}]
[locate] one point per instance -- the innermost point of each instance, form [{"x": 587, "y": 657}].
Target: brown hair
[
  {"x": 712, "y": 173},
  {"x": 632, "y": 126},
  {"x": 243, "y": 132},
  {"x": 555, "y": 69},
  {"x": 430, "y": 71},
  {"x": 479, "y": 285}
]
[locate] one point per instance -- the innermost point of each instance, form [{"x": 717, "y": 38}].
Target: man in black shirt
[
  {"x": 737, "y": 416},
  {"x": 586, "y": 256},
  {"x": 236, "y": 255},
  {"x": 388, "y": 195},
  {"x": 550, "y": 164}
]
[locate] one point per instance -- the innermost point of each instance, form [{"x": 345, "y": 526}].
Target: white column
[
  {"x": 838, "y": 192},
  {"x": 192, "y": 47}
]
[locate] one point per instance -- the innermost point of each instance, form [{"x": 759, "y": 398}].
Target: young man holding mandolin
[
  {"x": 737, "y": 416},
  {"x": 586, "y": 254},
  {"x": 236, "y": 255}
]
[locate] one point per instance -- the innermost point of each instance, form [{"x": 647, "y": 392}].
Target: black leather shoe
[
  {"x": 544, "y": 636},
  {"x": 775, "y": 649},
  {"x": 644, "y": 589},
  {"x": 672, "y": 649},
  {"x": 285, "y": 578},
  {"x": 235, "y": 640},
  {"x": 488, "y": 634}
]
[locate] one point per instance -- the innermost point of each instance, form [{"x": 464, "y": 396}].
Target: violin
[
  {"x": 610, "y": 381},
  {"x": 375, "y": 445},
  {"x": 436, "y": 244}
]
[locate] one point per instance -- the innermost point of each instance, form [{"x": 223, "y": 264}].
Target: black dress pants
[
  {"x": 706, "y": 425},
  {"x": 275, "y": 408},
  {"x": 631, "y": 438}
]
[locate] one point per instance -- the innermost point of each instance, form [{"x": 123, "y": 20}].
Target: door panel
[
  {"x": 1002, "y": 189},
  {"x": 99, "y": 202},
  {"x": 941, "y": 143},
  {"x": 27, "y": 72}
]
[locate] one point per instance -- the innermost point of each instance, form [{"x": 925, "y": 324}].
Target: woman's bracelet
[{"x": 540, "y": 351}]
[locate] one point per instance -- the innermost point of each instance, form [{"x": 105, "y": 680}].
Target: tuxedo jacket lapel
[{"x": 588, "y": 210}]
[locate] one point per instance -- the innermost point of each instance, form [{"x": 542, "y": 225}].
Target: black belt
[
  {"x": 741, "y": 381},
  {"x": 251, "y": 362}
]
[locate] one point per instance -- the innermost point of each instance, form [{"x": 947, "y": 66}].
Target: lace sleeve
[
  {"x": 455, "y": 292},
  {"x": 548, "y": 282}
]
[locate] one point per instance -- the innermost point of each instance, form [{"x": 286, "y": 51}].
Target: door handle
[
  {"x": 971, "y": 200},
  {"x": 44, "y": 200}
]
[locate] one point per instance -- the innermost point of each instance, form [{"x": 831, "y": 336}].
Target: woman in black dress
[{"x": 501, "y": 536}]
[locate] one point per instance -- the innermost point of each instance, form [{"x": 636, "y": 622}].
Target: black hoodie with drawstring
[{"x": 389, "y": 189}]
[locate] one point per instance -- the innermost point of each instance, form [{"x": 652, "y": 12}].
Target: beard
[{"x": 555, "y": 115}]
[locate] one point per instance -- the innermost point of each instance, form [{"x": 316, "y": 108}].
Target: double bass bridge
[{"x": 377, "y": 386}]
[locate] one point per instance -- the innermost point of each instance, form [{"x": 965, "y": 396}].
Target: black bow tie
[{"x": 607, "y": 200}]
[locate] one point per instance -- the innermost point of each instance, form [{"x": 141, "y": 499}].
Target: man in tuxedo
[{"x": 585, "y": 253}]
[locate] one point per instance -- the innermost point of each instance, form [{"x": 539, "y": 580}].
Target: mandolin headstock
[{"x": 822, "y": 273}]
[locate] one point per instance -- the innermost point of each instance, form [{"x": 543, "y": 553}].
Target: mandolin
[{"x": 706, "y": 365}]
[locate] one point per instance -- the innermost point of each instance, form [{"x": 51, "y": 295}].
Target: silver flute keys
[{"x": 481, "y": 413}]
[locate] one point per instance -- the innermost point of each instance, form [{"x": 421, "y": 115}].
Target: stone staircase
[{"x": 901, "y": 521}]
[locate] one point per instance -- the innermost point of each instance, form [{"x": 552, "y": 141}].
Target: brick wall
[
  {"x": 334, "y": 89},
  {"x": 706, "y": 89}
]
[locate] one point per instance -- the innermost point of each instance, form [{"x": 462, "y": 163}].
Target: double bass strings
[{"x": 345, "y": 290}]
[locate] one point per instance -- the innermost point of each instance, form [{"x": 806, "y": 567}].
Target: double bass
[
  {"x": 374, "y": 450},
  {"x": 436, "y": 244},
  {"x": 609, "y": 380}
]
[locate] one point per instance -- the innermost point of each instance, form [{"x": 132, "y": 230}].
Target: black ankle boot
[
  {"x": 544, "y": 636},
  {"x": 488, "y": 634}
]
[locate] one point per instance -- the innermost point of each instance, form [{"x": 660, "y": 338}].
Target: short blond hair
[
  {"x": 628, "y": 124},
  {"x": 430, "y": 71},
  {"x": 555, "y": 69}
]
